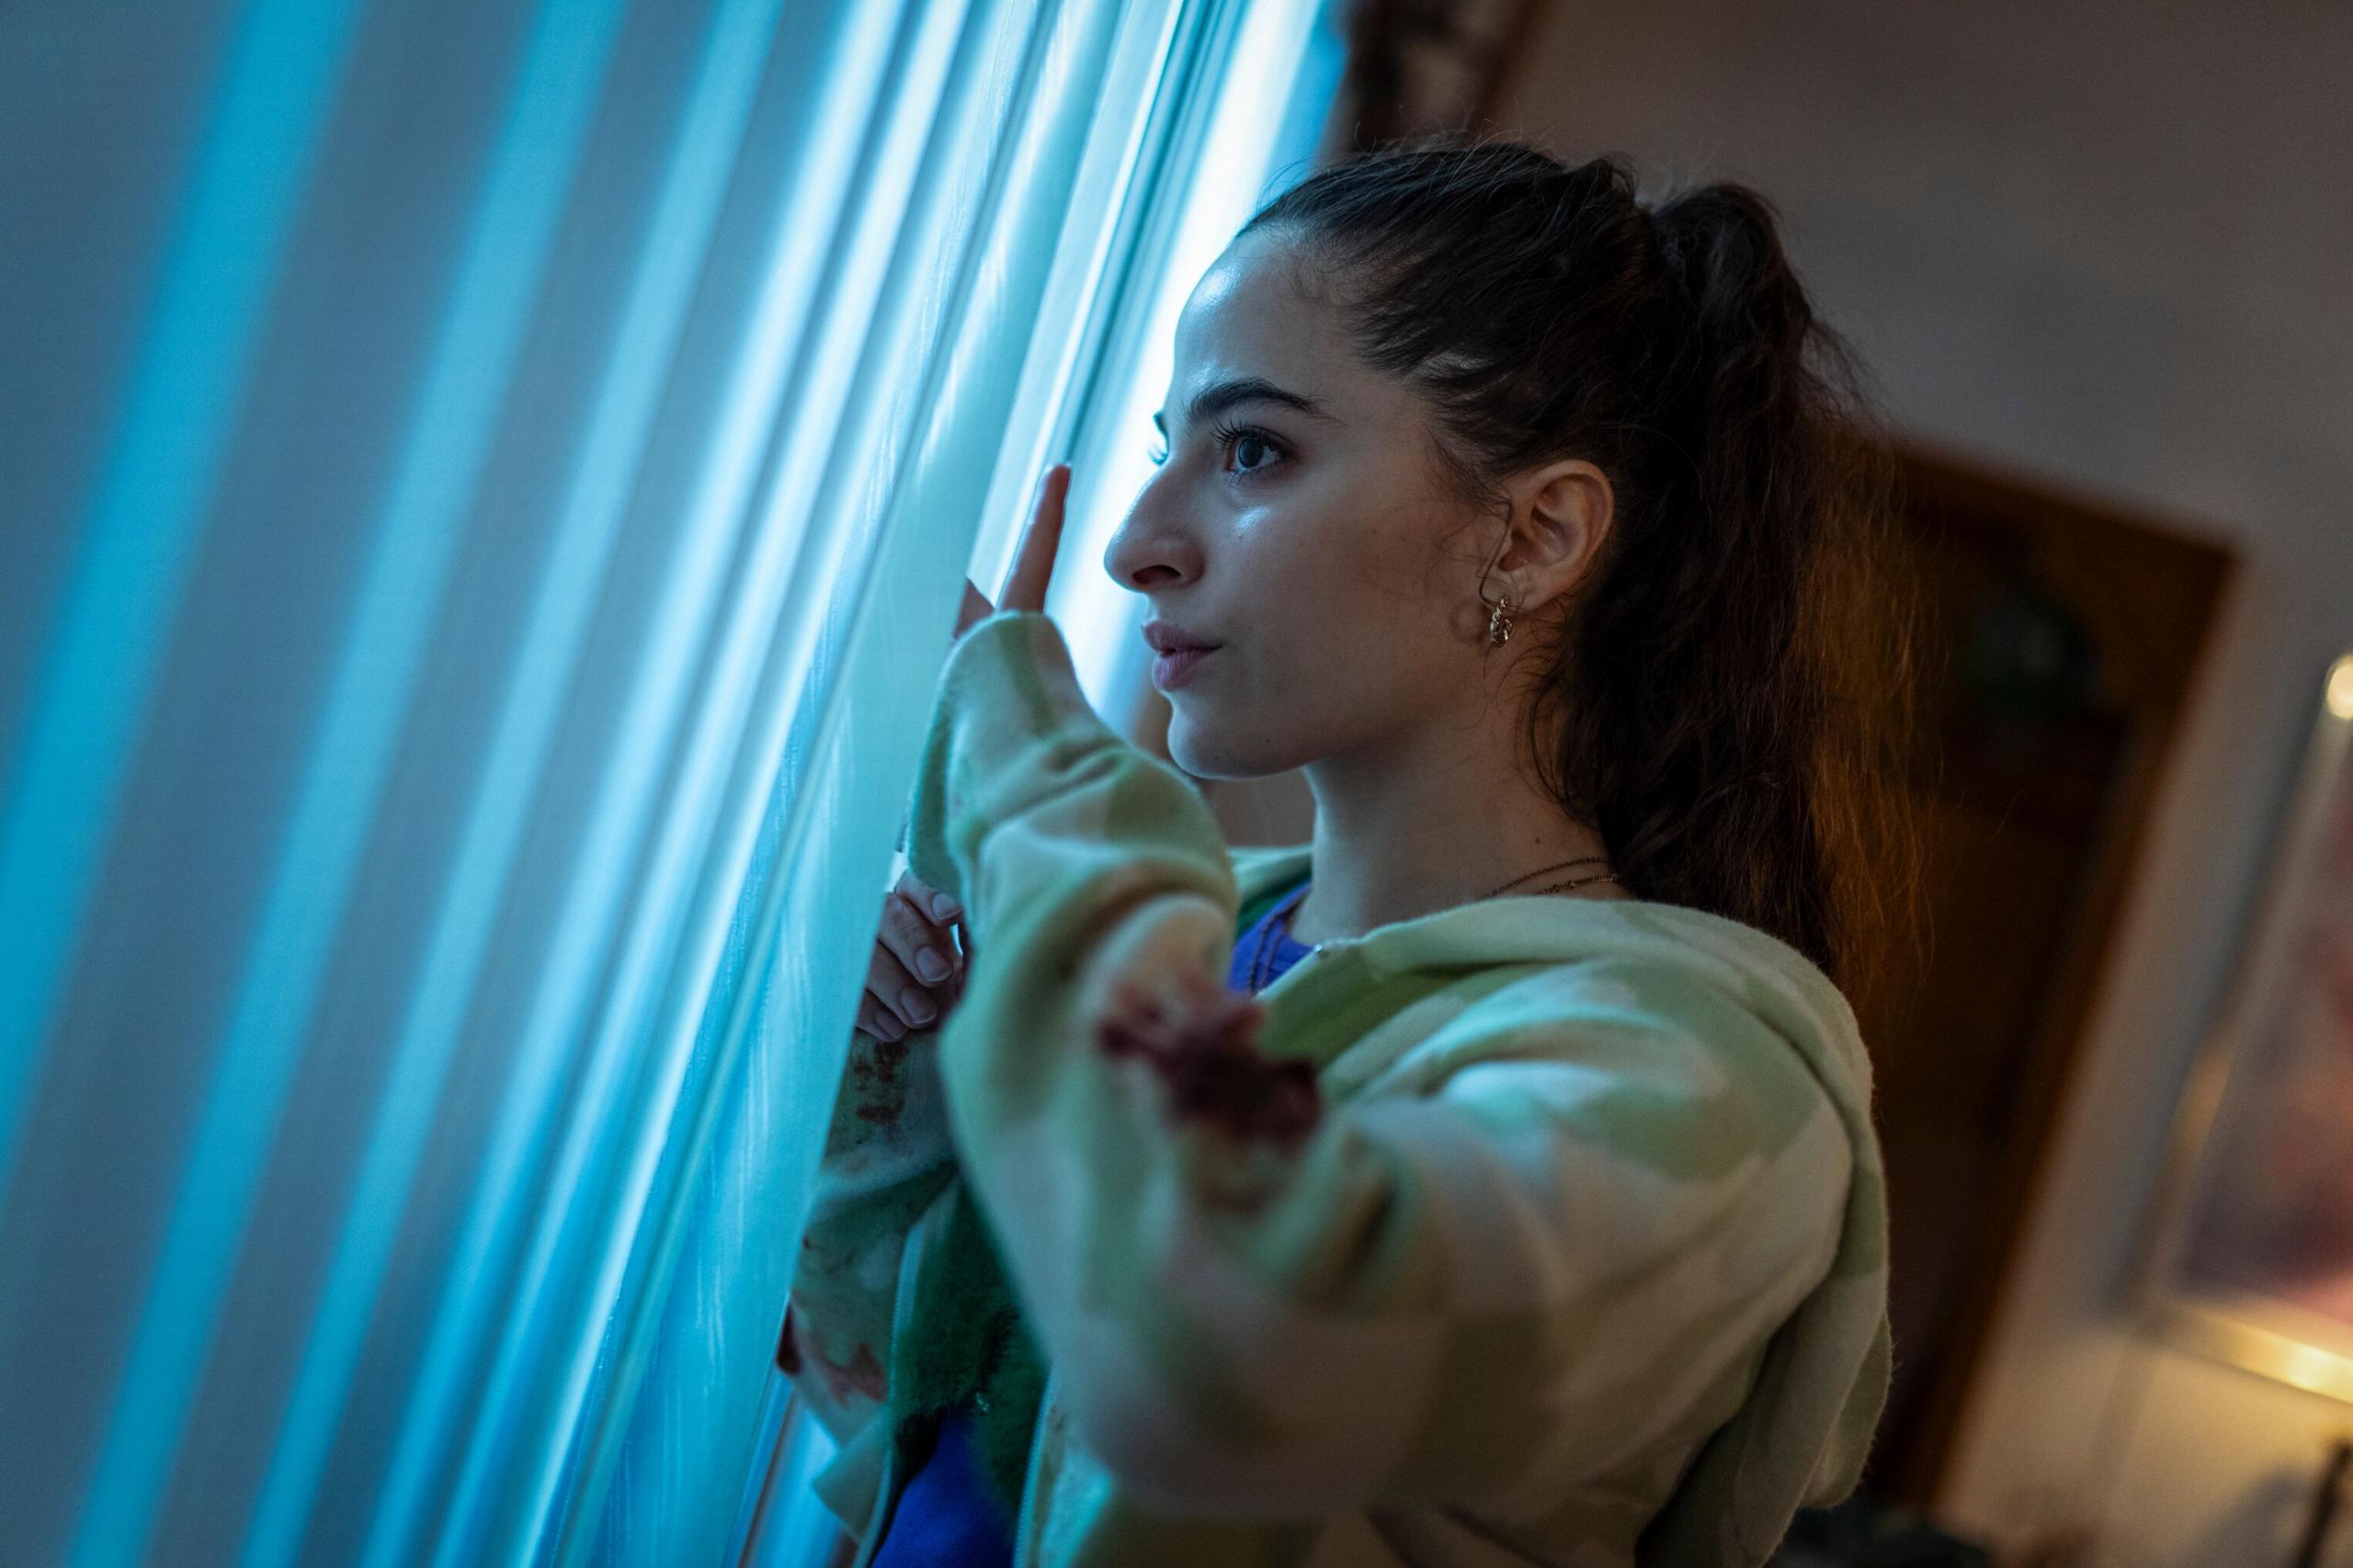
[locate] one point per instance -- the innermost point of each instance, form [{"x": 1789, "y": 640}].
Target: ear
[{"x": 1561, "y": 513}]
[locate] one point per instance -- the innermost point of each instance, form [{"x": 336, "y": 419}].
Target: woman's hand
[
  {"x": 917, "y": 968},
  {"x": 1033, "y": 563},
  {"x": 917, "y": 971}
]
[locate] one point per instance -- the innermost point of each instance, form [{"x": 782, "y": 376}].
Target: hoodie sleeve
[
  {"x": 887, "y": 1159},
  {"x": 1558, "y": 1262}
]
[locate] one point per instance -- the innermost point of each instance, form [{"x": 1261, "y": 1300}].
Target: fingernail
[
  {"x": 917, "y": 1005},
  {"x": 930, "y": 965},
  {"x": 945, "y": 907}
]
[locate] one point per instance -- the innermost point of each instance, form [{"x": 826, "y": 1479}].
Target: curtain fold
[
  {"x": 489, "y": 485},
  {"x": 476, "y": 566},
  {"x": 1229, "y": 102}
]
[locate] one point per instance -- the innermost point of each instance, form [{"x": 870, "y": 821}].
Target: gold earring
[{"x": 1499, "y": 623}]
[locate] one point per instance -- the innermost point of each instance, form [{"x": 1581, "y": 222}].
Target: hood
[{"x": 1802, "y": 1436}]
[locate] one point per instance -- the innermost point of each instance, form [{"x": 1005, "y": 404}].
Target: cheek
[
  {"x": 1335, "y": 642},
  {"x": 1324, "y": 589},
  {"x": 1302, "y": 693}
]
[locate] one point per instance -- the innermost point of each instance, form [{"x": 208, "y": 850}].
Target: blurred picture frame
[{"x": 2250, "y": 1260}]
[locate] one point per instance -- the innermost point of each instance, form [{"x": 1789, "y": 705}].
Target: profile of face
[{"x": 1296, "y": 522}]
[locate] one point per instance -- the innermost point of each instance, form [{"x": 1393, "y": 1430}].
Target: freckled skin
[{"x": 1201, "y": 1041}]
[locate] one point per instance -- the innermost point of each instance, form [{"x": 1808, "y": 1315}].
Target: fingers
[
  {"x": 935, "y": 905},
  {"x": 1033, "y": 565},
  {"x": 919, "y": 942},
  {"x": 1033, "y": 561},
  {"x": 915, "y": 973}
]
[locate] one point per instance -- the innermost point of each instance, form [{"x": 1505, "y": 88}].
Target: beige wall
[{"x": 2108, "y": 246}]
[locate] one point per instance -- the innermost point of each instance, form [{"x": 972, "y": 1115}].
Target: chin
[{"x": 1216, "y": 751}]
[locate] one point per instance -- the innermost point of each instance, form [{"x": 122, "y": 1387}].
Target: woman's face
[{"x": 1307, "y": 544}]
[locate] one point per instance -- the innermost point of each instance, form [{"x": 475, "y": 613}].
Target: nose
[{"x": 1151, "y": 551}]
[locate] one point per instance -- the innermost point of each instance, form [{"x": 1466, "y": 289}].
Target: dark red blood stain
[
  {"x": 1203, "y": 1047},
  {"x": 863, "y": 1376},
  {"x": 876, "y": 1080}
]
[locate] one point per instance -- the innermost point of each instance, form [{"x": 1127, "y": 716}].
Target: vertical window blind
[{"x": 487, "y": 490}]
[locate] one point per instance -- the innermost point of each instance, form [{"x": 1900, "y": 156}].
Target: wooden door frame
[{"x": 2175, "y": 579}]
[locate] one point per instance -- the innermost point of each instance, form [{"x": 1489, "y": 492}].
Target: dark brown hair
[{"x": 1724, "y": 695}]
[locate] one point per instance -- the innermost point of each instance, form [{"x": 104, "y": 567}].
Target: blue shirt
[
  {"x": 946, "y": 1516},
  {"x": 1262, "y": 937}
]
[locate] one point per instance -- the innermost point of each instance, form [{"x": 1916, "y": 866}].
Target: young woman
[{"x": 1491, "y": 1180}]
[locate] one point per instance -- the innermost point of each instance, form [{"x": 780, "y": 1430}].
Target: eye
[
  {"x": 1231, "y": 439},
  {"x": 1236, "y": 438}
]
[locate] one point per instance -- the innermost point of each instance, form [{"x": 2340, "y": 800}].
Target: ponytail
[{"x": 1724, "y": 695}]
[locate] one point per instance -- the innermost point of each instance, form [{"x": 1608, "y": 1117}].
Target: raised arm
[{"x": 1561, "y": 1260}]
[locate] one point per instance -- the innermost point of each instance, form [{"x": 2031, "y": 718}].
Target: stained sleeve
[
  {"x": 887, "y": 1158},
  {"x": 1557, "y": 1260}
]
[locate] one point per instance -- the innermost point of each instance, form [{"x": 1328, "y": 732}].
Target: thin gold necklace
[
  {"x": 1571, "y": 882},
  {"x": 1280, "y": 926}
]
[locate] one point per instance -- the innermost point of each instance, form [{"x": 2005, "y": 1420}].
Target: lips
[
  {"x": 1174, "y": 669},
  {"x": 1168, "y": 637}
]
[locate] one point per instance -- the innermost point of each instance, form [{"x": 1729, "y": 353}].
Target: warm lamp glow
[
  {"x": 2309, "y": 1367},
  {"x": 2340, "y": 688}
]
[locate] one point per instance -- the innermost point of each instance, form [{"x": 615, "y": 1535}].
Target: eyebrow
[{"x": 1219, "y": 396}]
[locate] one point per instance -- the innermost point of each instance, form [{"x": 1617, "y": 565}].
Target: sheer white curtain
[
  {"x": 484, "y": 488},
  {"x": 1236, "y": 102}
]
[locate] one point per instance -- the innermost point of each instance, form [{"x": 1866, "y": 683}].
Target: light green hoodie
[{"x": 1581, "y": 1260}]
